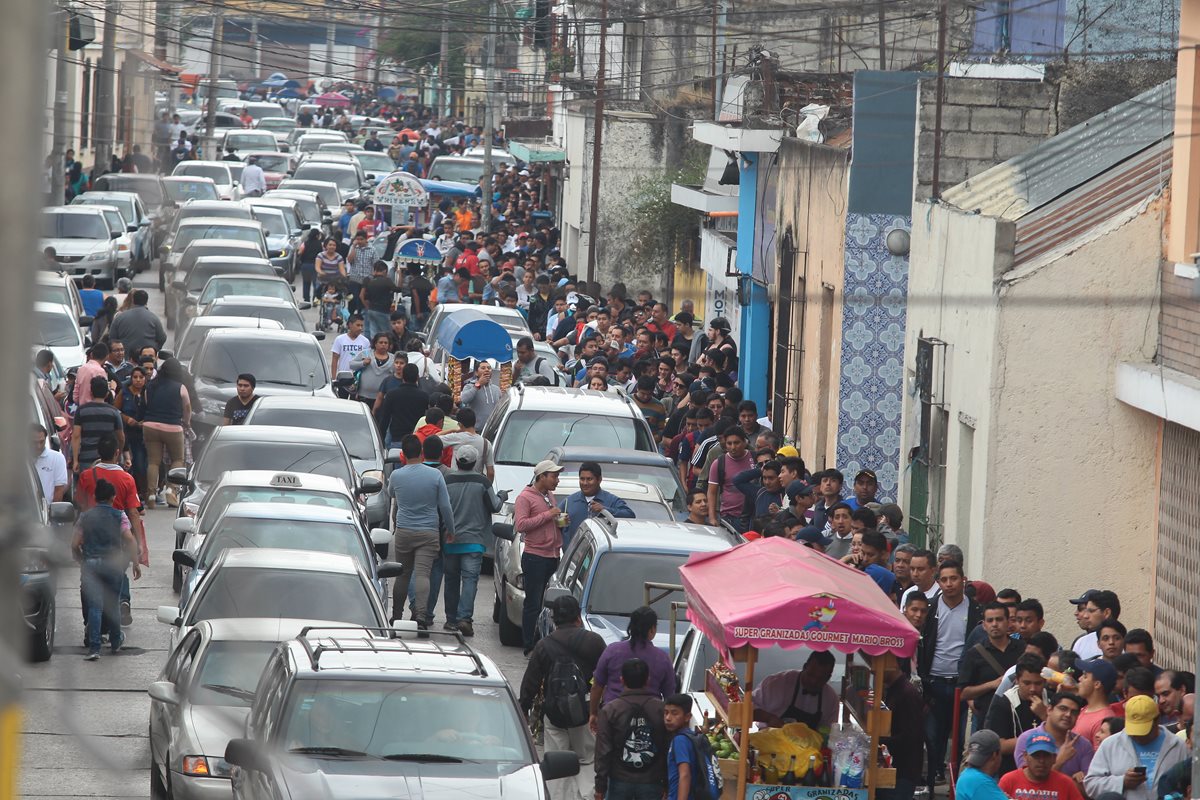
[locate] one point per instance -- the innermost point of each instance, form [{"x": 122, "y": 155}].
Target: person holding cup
[{"x": 537, "y": 518}]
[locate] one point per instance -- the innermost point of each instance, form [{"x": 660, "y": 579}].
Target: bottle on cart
[
  {"x": 789, "y": 778},
  {"x": 810, "y": 777},
  {"x": 771, "y": 772}
]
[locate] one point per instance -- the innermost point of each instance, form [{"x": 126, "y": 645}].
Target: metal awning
[
  {"x": 154, "y": 61},
  {"x": 536, "y": 152}
]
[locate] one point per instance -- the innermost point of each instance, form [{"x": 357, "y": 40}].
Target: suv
[
  {"x": 369, "y": 713},
  {"x": 610, "y": 561},
  {"x": 644, "y": 500},
  {"x": 532, "y": 420}
]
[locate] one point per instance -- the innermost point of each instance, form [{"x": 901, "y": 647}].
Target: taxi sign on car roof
[{"x": 285, "y": 480}]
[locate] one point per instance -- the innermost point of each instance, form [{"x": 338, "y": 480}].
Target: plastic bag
[{"x": 849, "y": 747}]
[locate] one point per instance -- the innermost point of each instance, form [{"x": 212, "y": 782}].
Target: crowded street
[{"x": 546, "y": 401}]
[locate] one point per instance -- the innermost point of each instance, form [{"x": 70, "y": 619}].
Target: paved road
[{"x": 86, "y": 723}]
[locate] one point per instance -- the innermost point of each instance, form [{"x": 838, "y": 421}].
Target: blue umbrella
[
  {"x": 277, "y": 76},
  {"x": 274, "y": 83},
  {"x": 291, "y": 84},
  {"x": 290, "y": 94},
  {"x": 387, "y": 93}
]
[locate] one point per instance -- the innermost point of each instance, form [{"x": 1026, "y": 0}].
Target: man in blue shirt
[
  {"x": 590, "y": 500},
  {"x": 865, "y": 487},
  {"x": 978, "y": 780},
  {"x": 422, "y": 510},
  {"x": 91, "y": 297}
]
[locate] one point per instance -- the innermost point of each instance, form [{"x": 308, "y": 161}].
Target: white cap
[{"x": 545, "y": 466}]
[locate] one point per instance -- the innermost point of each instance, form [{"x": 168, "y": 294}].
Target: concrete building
[{"x": 1028, "y": 285}]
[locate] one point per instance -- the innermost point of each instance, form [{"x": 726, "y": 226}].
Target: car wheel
[
  {"x": 158, "y": 790},
  {"x": 162, "y": 275},
  {"x": 42, "y": 646},
  {"x": 496, "y": 609},
  {"x": 510, "y": 634},
  {"x": 488, "y": 567},
  {"x": 177, "y": 579}
]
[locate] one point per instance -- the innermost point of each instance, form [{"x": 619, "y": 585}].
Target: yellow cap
[
  {"x": 1141, "y": 712},
  {"x": 787, "y": 451}
]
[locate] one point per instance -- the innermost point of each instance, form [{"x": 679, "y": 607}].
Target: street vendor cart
[
  {"x": 469, "y": 336},
  {"x": 777, "y": 592}
]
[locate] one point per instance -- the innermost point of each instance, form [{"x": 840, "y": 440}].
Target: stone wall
[{"x": 984, "y": 123}]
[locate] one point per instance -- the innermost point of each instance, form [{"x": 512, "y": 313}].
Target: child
[{"x": 690, "y": 773}]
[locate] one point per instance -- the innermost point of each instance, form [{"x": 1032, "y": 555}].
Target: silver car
[
  {"x": 201, "y": 699},
  {"x": 83, "y": 242}
]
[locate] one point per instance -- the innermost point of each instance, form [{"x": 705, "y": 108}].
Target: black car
[{"x": 37, "y": 578}]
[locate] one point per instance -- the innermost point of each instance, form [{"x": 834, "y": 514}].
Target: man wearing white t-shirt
[
  {"x": 1092, "y": 608},
  {"x": 349, "y": 344}
]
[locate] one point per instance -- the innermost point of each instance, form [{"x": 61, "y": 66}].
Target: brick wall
[
  {"x": 1179, "y": 344},
  {"x": 984, "y": 122}
]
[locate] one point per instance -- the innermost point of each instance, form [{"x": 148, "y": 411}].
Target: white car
[
  {"x": 218, "y": 171},
  {"x": 137, "y": 219},
  {"x": 245, "y": 140},
  {"x": 58, "y": 331},
  {"x": 83, "y": 242},
  {"x": 122, "y": 235}
]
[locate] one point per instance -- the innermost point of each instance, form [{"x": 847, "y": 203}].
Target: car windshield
[
  {"x": 74, "y": 226},
  {"x": 222, "y": 456},
  {"x": 218, "y": 172},
  {"x": 374, "y": 162},
  {"x": 265, "y": 111},
  {"x": 287, "y": 316},
  {"x": 647, "y": 509},
  {"x": 288, "y": 534},
  {"x": 271, "y": 163},
  {"x": 228, "y": 673},
  {"x": 272, "y": 362},
  {"x": 276, "y": 124},
  {"x": 249, "y": 141},
  {"x": 529, "y": 435},
  {"x": 240, "y": 233},
  {"x": 245, "y": 287},
  {"x": 199, "y": 276},
  {"x": 342, "y": 177},
  {"x": 57, "y": 330},
  {"x": 662, "y": 478},
  {"x": 125, "y": 206},
  {"x": 327, "y": 192},
  {"x": 356, "y": 430},
  {"x": 220, "y": 499},
  {"x": 149, "y": 189},
  {"x": 310, "y": 209},
  {"x": 54, "y": 293},
  {"x": 404, "y": 721},
  {"x": 281, "y": 593},
  {"x": 463, "y": 171},
  {"x": 618, "y": 581},
  {"x": 182, "y": 191},
  {"x": 272, "y": 222}
]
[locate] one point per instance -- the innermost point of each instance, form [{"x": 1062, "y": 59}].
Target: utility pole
[
  {"x": 882, "y": 38},
  {"x": 22, "y": 53},
  {"x": 330, "y": 39},
  {"x": 214, "y": 74},
  {"x": 105, "y": 99},
  {"x": 940, "y": 90},
  {"x": 597, "y": 134},
  {"x": 60, "y": 21},
  {"x": 489, "y": 119},
  {"x": 444, "y": 64}
]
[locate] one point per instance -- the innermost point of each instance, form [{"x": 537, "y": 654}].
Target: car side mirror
[
  {"x": 62, "y": 512},
  {"x": 555, "y": 764},
  {"x": 370, "y": 485},
  {"x": 552, "y": 593},
  {"x": 179, "y": 286},
  {"x": 184, "y": 559},
  {"x": 184, "y": 525},
  {"x": 388, "y": 569},
  {"x": 168, "y": 615},
  {"x": 344, "y": 379},
  {"x": 131, "y": 228},
  {"x": 179, "y": 477},
  {"x": 394, "y": 456},
  {"x": 306, "y": 226},
  {"x": 85, "y": 320},
  {"x": 381, "y": 536},
  {"x": 304, "y": 305},
  {"x": 502, "y": 530},
  {"x": 319, "y": 335},
  {"x": 164, "y": 692},
  {"x": 245, "y": 753},
  {"x": 116, "y": 234}
]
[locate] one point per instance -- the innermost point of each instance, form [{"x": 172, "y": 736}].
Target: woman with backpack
[{"x": 638, "y": 643}]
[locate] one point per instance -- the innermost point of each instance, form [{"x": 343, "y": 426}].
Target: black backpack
[
  {"x": 708, "y": 783},
  {"x": 566, "y": 699},
  {"x": 638, "y": 751}
]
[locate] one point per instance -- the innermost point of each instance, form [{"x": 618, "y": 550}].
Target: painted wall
[
  {"x": 1028, "y": 442},
  {"x": 812, "y": 207}
]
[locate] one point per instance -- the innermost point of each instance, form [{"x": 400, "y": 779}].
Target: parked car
[
  {"x": 294, "y": 584},
  {"x": 244, "y": 140},
  {"x": 429, "y": 715},
  {"x": 38, "y": 585},
  {"x": 218, "y": 171},
  {"x": 137, "y": 219},
  {"x": 180, "y": 264},
  {"x": 57, "y": 288},
  {"x": 646, "y": 502},
  {"x": 83, "y": 242},
  {"x": 270, "y": 286},
  {"x": 285, "y": 312},
  {"x": 312, "y": 208},
  {"x": 354, "y": 425},
  {"x": 193, "y": 334},
  {"x": 181, "y": 188},
  {"x": 152, "y": 190},
  {"x": 275, "y": 166},
  {"x": 639, "y": 466},
  {"x": 279, "y": 127},
  {"x": 282, "y": 242},
  {"x": 201, "y": 699},
  {"x": 609, "y": 562},
  {"x": 376, "y": 166},
  {"x": 183, "y": 293},
  {"x": 349, "y": 177},
  {"x": 328, "y": 191},
  {"x": 57, "y": 330},
  {"x": 121, "y": 233}
]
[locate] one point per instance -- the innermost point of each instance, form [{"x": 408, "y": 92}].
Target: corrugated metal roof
[
  {"x": 1072, "y": 158},
  {"x": 1075, "y": 213}
]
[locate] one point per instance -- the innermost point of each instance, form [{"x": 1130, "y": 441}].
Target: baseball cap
[
  {"x": 798, "y": 488},
  {"x": 684, "y": 318},
  {"x": 787, "y": 451},
  {"x": 866, "y": 473},
  {"x": 721, "y": 324},
  {"x": 1141, "y": 713},
  {"x": 1041, "y": 743},
  {"x": 1085, "y": 597},
  {"x": 545, "y": 466},
  {"x": 811, "y": 534},
  {"x": 1101, "y": 670},
  {"x": 981, "y": 746},
  {"x": 466, "y": 454}
]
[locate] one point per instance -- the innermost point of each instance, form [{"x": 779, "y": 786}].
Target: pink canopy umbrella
[
  {"x": 332, "y": 99},
  {"x": 775, "y": 591}
]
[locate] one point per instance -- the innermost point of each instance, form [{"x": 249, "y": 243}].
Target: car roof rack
[
  {"x": 609, "y": 522},
  {"x": 364, "y": 644}
]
